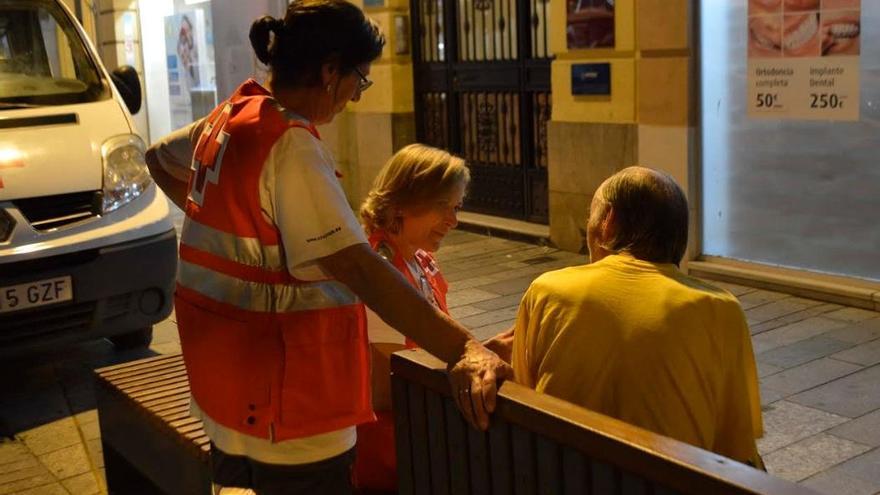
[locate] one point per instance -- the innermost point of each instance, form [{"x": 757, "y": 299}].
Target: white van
[{"x": 87, "y": 246}]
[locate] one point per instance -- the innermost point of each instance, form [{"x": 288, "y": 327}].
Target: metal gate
[{"x": 482, "y": 89}]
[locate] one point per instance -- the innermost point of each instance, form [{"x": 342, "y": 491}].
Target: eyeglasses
[{"x": 364, "y": 83}]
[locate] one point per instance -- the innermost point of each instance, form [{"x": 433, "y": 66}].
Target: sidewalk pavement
[{"x": 819, "y": 366}]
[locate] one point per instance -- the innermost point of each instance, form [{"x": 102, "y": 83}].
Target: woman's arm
[
  {"x": 473, "y": 369},
  {"x": 169, "y": 162}
]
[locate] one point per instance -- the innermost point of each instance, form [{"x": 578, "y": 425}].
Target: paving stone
[
  {"x": 852, "y": 396},
  {"x": 489, "y": 317},
  {"x": 866, "y": 354},
  {"x": 90, "y": 431},
  {"x": 67, "y": 462},
  {"x": 809, "y": 312},
  {"x": 488, "y": 331},
  {"x": 852, "y": 315},
  {"x": 84, "y": 484},
  {"x": 786, "y": 423},
  {"x": 50, "y": 489},
  {"x": 465, "y": 311},
  {"x": 51, "y": 437},
  {"x": 500, "y": 302},
  {"x": 795, "y": 332},
  {"x": 775, "y": 309},
  {"x": 468, "y": 296},
  {"x": 836, "y": 481},
  {"x": 865, "y": 467},
  {"x": 769, "y": 396},
  {"x": 809, "y": 375},
  {"x": 513, "y": 286},
  {"x": 858, "y": 333},
  {"x": 86, "y": 417},
  {"x": 11, "y": 450},
  {"x": 23, "y": 479},
  {"x": 811, "y": 455},
  {"x": 765, "y": 369},
  {"x": 864, "y": 429},
  {"x": 759, "y": 297},
  {"x": 96, "y": 452},
  {"x": 167, "y": 348},
  {"x": 165, "y": 331},
  {"x": 802, "y": 352}
]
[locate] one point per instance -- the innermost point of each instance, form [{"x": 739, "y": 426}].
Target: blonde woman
[{"x": 412, "y": 206}]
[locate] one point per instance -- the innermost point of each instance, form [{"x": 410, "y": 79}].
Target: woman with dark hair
[{"x": 274, "y": 266}]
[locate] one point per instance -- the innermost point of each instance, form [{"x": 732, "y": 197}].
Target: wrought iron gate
[{"x": 482, "y": 89}]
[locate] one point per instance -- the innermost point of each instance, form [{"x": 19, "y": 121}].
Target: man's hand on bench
[{"x": 474, "y": 379}]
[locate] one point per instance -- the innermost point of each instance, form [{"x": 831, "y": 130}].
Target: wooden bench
[
  {"x": 539, "y": 444},
  {"x": 151, "y": 443}
]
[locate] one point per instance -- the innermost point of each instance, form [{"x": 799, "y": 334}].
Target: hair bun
[{"x": 260, "y": 39}]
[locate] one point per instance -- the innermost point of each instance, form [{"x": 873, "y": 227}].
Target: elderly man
[{"x": 632, "y": 337}]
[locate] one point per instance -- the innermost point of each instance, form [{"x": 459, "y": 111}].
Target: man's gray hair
[{"x": 650, "y": 215}]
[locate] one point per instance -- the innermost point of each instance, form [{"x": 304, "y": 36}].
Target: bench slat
[
  {"x": 525, "y": 476},
  {"x": 109, "y": 371},
  {"x": 499, "y": 458},
  {"x": 437, "y": 444},
  {"x": 575, "y": 471},
  {"x": 135, "y": 380},
  {"x": 400, "y": 401},
  {"x": 478, "y": 459},
  {"x": 549, "y": 465},
  {"x": 456, "y": 429},
  {"x": 419, "y": 437}
]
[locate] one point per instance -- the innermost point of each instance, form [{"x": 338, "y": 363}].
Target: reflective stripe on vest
[
  {"x": 262, "y": 297},
  {"x": 209, "y": 275},
  {"x": 244, "y": 250}
]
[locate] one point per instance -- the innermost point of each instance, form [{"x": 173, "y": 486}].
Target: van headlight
[{"x": 125, "y": 172}]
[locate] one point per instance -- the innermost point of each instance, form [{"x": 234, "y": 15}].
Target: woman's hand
[{"x": 474, "y": 379}]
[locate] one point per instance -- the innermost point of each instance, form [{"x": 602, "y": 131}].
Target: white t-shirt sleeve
[
  {"x": 175, "y": 151},
  {"x": 308, "y": 203}
]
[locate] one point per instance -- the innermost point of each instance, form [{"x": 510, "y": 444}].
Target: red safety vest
[
  {"x": 375, "y": 466},
  {"x": 266, "y": 354}
]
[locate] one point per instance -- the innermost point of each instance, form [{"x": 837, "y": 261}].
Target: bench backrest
[{"x": 540, "y": 444}]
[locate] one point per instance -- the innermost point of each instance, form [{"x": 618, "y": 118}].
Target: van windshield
[{"x": 42, "y": 58}]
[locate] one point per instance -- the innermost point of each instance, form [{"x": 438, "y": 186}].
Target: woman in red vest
[
  {"x": 410, "y": 209},
  {"x": 274, "y": 267}
]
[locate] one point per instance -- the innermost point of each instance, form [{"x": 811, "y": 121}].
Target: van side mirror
[{"x": 126, "y": 80}]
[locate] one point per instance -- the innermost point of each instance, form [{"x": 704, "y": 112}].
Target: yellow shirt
[{"x": 646, "y": 344}]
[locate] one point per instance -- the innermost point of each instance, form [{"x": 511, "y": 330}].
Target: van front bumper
[{"x": 116, "y": 289}]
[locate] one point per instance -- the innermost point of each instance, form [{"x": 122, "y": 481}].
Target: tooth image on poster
[{"x": 803, "y": 59}]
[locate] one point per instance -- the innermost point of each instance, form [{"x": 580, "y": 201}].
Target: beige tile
[
  {"x": 52, "y": 436},
  {"x": 852, "y": 396},
  {"x": 786, "y": 423},
  {"x": 84, "y": 484},
  {"x": 773, "y": 310},
  {"x": 759, "y": 297},
  {"x": 11, "y": 451},
  {"x": 96, "y": 452},
  {"x": 465, "y": 311},
  {"x": 568, "y": 219},
  {"x": 20, "y": 485},
  {"x": 811, "y": 455},
  {"x": 67, "y": 462},
  {"x": 662, "y": 24},
  {"x": 50, "y": 489},
  {"x": 468, "y": 296},
  {"x": 582, "y": 155},
  {"x": 858, "y": 333},
  {"x": 663, "y": 91},
  {"x": 490, "y": 317}
]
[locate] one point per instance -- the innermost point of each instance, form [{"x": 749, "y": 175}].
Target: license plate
[{"x": 33, "y": 294}]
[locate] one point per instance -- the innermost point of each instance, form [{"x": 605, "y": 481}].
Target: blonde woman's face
[{"x": 425, "y": 226}]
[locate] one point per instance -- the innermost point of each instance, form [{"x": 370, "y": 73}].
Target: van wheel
[{"x": 133, "y": 340}]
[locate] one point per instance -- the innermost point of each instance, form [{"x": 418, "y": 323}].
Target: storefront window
[
  {"x": 779, "y": 188},
  {"x": 196, "y": 52}
]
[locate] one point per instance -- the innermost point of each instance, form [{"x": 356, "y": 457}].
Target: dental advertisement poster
[{"x": 803, "y": 59}]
